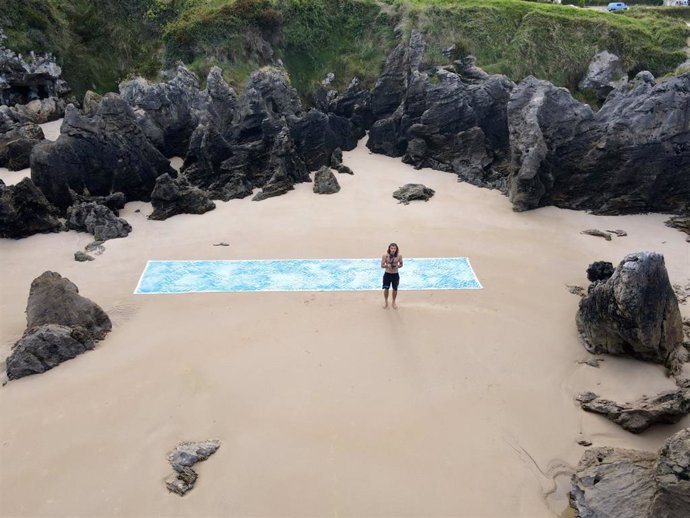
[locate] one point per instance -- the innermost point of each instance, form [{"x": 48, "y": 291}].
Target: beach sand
[{"x": 459, "y": 403}]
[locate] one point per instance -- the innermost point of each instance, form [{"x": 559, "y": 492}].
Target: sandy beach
[{"x": 459, "y": 403}]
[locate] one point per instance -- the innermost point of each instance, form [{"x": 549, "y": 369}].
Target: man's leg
[
  {"x": 385, "y": 298},
  {"x": 395, "y": 294}
]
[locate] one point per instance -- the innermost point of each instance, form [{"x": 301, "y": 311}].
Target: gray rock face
[
  {"x": 354, "y": 104},
  {"x": 102, "y": 154},
  {"x": 44, "y": 347},
  {"x": 54, "y": 299},
  {"x": 605, "y": 73},
  {"x": 17, "y": 137},
  {"x": 325, "y": 181},
  {"x": 182, "y": 458},
  {"x": 672, "y": 476},
  {"x": 114, "y": 201},
  {"x": 25, "y": 211},
  {"x": 177, "y": 196},
  {"x": 634, "y": 312},
  {"x": 667, "y": 408},
  {"x": 628, "y": 157},
  {"x": 82, "y": 257},
  {"x": 167, "y": 112},
  {"x": 619, "y": 483},
  {"x": 98, "y": 220},
  {"x": 413, "y": 191}
]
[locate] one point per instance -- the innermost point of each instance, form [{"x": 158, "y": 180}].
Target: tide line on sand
[{"x": 168, "y": 277}]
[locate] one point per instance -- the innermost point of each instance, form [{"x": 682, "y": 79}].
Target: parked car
[{"x": 617, "y": 6}]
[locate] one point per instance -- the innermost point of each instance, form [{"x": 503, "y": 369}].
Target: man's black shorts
[{"x": 391, "y": 278}]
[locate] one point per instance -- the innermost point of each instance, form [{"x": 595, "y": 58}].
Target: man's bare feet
[
  {"x": 395, "y": 306},
  {"x": 385, "y": 306}
]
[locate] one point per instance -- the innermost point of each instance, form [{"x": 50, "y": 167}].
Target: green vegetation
[{"x": 99, "y": 43}]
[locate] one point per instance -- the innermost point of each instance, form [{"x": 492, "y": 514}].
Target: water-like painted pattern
[{"x": 451, "y": 273}]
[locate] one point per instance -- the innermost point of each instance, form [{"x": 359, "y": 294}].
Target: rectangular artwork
[{"x": 159, "y": 277}]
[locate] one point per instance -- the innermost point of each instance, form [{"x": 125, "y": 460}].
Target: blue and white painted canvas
[{"x": 450, "y": 273}]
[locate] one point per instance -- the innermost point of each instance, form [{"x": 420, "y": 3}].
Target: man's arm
[
  {"x": 383, "y": 261},
  {"x": 400, "y": 262}
]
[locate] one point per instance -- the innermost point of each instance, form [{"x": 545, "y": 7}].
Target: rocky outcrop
[
  {"x": 168, "y": 112},
  {"x": 413, "y": 191},
  {"x": 60, "y": 325},
  {"x": 18, "y": 136},
  {"x": 182, "y": 458},
  {"x": 451, "y": 119},
  {"x": 634, "y": 312},
  {"x": 97, "y": 156},
  {"x": 628, "y": 157},
  {"x": 604, "y": 74},
  {"x": 175, "y": 196},
  {"x": 325, "y": 181},
  {"x": 621, "y": 483},
  {"x": 599, "y": 271},
  {"x": 681, "y": 223},
  {"x": 25, "y": 211},
  {"x": 353, "y": 104},
  {"x": 114, "y": 201},
  {"x": 98, "y": 220},
  {"x": 667, "y": 408}
]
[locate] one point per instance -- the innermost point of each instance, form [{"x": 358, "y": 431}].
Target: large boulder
[
  {"x": 630, "y": 156},
  {"x": 325, "y": 181},
  {"x": 18, "y": 136},
  {"x": 168, "y": 111},
  {"x": 25, "y": 211},
  {"x": 634, "y": 312},
  {"x": 605, "y": 73},
  {"x": 176, "y": 196},
  {"x": 621, "y": 483},
  {"x": 98, "y": 220},
  {"x": 97, "y": 156},
  {"x": 413, "y": 191},
  {"x": 54, "y": 299}
]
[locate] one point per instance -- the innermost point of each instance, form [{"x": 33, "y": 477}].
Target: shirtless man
[{"x": 391, "y": 261}]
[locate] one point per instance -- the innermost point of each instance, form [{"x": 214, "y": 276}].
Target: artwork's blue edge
[{"x": 137, "y": 290}]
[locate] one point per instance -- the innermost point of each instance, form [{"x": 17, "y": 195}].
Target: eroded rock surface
[
  {"x": 325, "y": 181},
  {"x": 18, "y": 136},
  {"x": 413, "y": 191},
  {"x": 176, "y": 196},
  {"x": 97, "y": 220},
  {"x": 25, "y": 211},
  {"x": 182, "y": 458},
  {"x": 604, "y": 74}
]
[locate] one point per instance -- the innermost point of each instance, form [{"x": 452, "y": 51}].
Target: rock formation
[
  {"x": 668, "y": 407},
  {"x": 634, "y": 312},
  {"x": 604, "y": 74},
  {"x": 102, "y": 154},
  {"x": 599, "y": 271},
  {"x": 18, "y": 136},
  {"x": 176, "y": 196},
  {"x": 98, "y": 220},
  {"x": 325, "y": 181},
  {"x": 413, "y": 191},
  {"x": 620, "y": 483},
  {"x": 25, "y": 211},
  {"x": 182, "y": 458},
  {"x": 60, "y": 324}
]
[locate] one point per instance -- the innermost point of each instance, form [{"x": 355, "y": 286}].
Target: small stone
[
  {"x": 96, "y": 247},
  {"x": 586, "y": 397},
  {"x": 618, "y": 232},
  {"x": 576, "y": 290},
  {"x": 584, "y": 442},
  {"x": 222, "y": 243},
  {"x": 597, "y": 233},
  {"x": 81, "y": 257}
]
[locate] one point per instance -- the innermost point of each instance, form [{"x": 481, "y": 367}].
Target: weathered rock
[
  {"x": 114, "y": 201},
  {"x": 182, "y": 458},
  {"x": 599, "y": 271},
  {"x": 44, "y": 347},
  {"x": 325, "y": 181},
  {"x": 634, "y": 312},
  {"x": 668, "y": 407},
  {"x": 167, "y": 112},
  {"x": 619, "y": 483},
  {"x": 98, "y": 220},
  {"x": 18, "y": 136},
  {"x": 672, "y": 476},
  {"x": 413, "y": 191},
  {"x": 343, "y": 169},
  {"x": 82, "y": 257},
  {"x": 605, "y": 73},
  {"x": 91, "y": 102},
  {"x": 102, "y": 154},
  {"x": 40, "y": 111},
  {"x": 317, "y": 135},
  {"x": 682, "y": 223},
  {"x": 54, "y": 299},
  {"x": 597, "y": 233},
  {"x": 177, "y": 196},
  {"x": 354, "y": 104},
  {"x": 25, "y": 211},
  {"x": 96, "y": 247},
  {"x": 625, "y": 158}
]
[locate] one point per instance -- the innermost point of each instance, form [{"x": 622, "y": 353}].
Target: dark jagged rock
[
  {"x": 44, "y": 347},
  {"x": 114, "y": 201},
  {"x": 599, "y": 271},
  {"x": 668, "y": 407},
  {"x": 619, "y": 483},
  {"x": 25, "y": 211},
  {"x": 605, "y": 73},
  {"x": 167, "y": 112},
  {"x": 171, "y": 197},
  {"x": 629, "y": 157},
  {"x": 82, "y": 257},
  {"x": 98, "y": 220},
  {"x": 634, "y": 312},
  {"x": 102, "y": 154},
  {"x": 54, "y": 299},
  {"x": 317, "y": 135},
  {"x": 354, "y": 104},
  {"x": 40, "y": 111},
  {"x": 18, "y": 136},
  {"x": 182, "y": 458},
  {"x": 413, "y": 191},
  {"x": 325, "y": 181}
]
